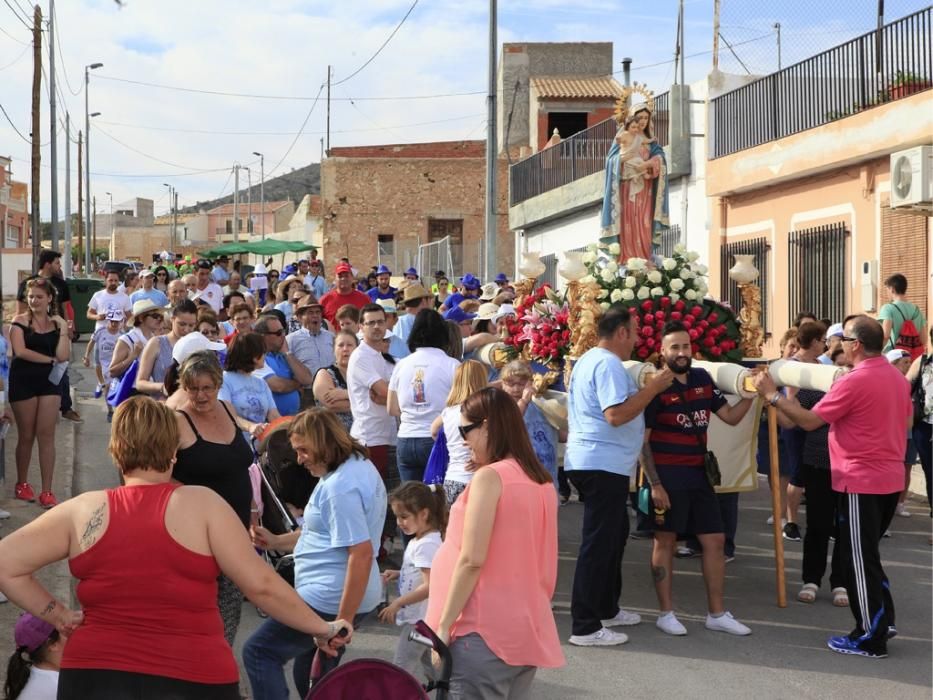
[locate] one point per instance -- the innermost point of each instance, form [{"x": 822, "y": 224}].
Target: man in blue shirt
[
  {"x": 315, "y": 280},
  {"x": 148, "y": 291},
  {"x": 382, "y": 290},
  {"x": 219, "y": 273},
  {"x": 469, "y": 289},
  {"x": 415, "y": 298},
  {"x": 284, "y": 374},
  {"x": 606, "y": 431}
]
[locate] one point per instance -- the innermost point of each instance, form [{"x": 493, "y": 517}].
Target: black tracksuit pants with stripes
[{"x": 863, "y": 519}]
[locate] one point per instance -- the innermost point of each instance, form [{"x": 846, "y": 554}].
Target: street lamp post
[
  {"x": 87, "y": 159},
  {"x": 171, "y": 236},
  {"x": 111, "y": 218},
  {"x": 262, "y": 192}
]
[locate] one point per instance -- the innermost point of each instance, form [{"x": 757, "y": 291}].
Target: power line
[
  {"x": 18, "y": 132},
  {"x": 24, "y": 43},
  {"x": 16, "y": 11},
  {"x": 61, "y": 55},
  {"x": 298, "y": 135},
  {"x": 224, "y": 188},
  {"x": 698, "y": 53},
  {"x": 279, "y": 133},
  {"x": 131, "y": 175},
  {"x": 379, "y": 50},
  {"x": 221, "y": 93},
  {"x": 17, "y": 59},
  {"x": 152, "y": 157}
]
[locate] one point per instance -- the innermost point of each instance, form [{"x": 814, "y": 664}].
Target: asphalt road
[{"x": 785, "y": 657}]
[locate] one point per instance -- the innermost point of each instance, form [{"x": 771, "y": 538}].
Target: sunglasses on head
[{"x": 466, "y": 429}]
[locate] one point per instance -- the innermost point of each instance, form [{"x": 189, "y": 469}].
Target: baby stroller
[
  {"x": 285, "y": 483},
  {"x": 375, "y": 679}
]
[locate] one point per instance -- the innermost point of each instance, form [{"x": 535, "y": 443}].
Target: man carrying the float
[{"x": 674, "y": 459}]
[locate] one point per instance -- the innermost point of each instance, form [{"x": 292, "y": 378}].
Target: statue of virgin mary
[{"x": 635, "y": 198}]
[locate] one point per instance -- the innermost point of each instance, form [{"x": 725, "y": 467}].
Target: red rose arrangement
[
  {"x": 712, "y": 328},
  {"x": 540, "y": 325}
]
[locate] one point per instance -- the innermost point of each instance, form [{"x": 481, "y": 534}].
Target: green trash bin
[{"x": 81, "y": 291}]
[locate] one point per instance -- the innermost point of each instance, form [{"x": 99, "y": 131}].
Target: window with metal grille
[
  {"x": 904, "y": 249},
  {"x": 730, "y": 289},
  {"x": 817, "y": 272}
]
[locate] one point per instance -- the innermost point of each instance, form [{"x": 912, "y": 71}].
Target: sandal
[
  {"x": 840, "y": 597},
  {"x": 807, "y": 594}
]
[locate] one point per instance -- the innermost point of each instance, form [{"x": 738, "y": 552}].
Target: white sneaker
[
  {"x": 771, "y": 521},
  {"x": 4, "y": 514},
  {"x": 902, "y": 510},
  {"x": 726, "y": 623},
  {"x": 669, "y": 624},
  {"x": 622, "y": 619},
  {"x": 604, "y": 637}
]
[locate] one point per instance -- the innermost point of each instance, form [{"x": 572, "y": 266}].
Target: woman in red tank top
[{"x": 147, "y": 556}]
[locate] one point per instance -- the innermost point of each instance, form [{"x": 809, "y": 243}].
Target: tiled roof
[
  {"x": 570, "y": 88},
  {"x": 228, "y": 208}
]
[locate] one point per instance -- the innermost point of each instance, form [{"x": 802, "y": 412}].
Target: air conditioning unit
[{"x": 912, "y": 178}]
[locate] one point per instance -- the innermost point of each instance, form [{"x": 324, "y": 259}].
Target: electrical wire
[
  {"x": 100, "y": 76},
  {"x": 379, "y": 50},
  {"x": 224, "y": 188},
  {"x": 18, "y": 132},
  {"x": 17, "y": 59},
  {"x": 16, "y": 11},
  {"x": 280, "y": 133},
  {"x": 698, "y": 53},
  {"x": 61, "y": 55},
  {"x": 298, "y": 135},
  {"x": 19, "y": 41},
  {"x": 152, "y": 157}
]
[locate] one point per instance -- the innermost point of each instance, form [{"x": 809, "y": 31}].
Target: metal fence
[
  {"x": 877, "y": 67},
  {"x": 730, "y": 289},
  {"x": 817, "y": 272},
  {"x": 581, "y": 155}
]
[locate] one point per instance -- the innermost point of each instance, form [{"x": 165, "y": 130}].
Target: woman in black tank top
[{"x": 212, "y": 452}]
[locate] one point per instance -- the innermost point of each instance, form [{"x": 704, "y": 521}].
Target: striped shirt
[{"x": 679, "y": 418}]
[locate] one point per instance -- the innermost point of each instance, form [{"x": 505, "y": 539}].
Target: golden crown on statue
[{"x": 623, "y": 108}]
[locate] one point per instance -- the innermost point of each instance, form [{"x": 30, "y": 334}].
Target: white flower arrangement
[
  {"x": 589, "y": 258},
  {"x": 643, "y": 293},
  {"x": 655, "y": 277},
  {"x": 627, "y": 295},
  {"x": 612, "y": 266},
  {"x": 677, "y": 284},
  {"x": 616, "y": 296},
  {"x": 615, "y": 249},
  {"x": 603, "y": 293},
  {"x": 690, "y": 294},
  {"x": 636, "y": 264},
  {"x": 668, "y": 264},
  {"x": 657, "y": 292},
  {"x": 604, "y": 306},
  {"x": 608, "y": 275}
]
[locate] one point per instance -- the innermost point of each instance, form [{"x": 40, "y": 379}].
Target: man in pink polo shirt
[{"x": 868, "y": 411}]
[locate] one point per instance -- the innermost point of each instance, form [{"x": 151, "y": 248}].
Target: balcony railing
[
  {"x": 581, "y": 155},
  {"x": 877, "y": 67}
]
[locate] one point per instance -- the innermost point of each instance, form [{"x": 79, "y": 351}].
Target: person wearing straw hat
[
  {"x": 415, "y": 297},
  {"x": 397, "y": 347},
  {"x": 312, "y": 345}
]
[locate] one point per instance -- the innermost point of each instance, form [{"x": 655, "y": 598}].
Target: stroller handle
[{"x": 422, "y": 634}]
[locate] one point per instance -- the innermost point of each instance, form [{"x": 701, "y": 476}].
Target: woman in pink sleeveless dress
[{"x": 493, "y": 578}]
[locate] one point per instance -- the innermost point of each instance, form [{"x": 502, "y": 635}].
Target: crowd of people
[{"x": 416, "y": 445}]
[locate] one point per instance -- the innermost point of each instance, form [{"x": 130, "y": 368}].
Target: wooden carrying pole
[{"x": 775, "y": 473}]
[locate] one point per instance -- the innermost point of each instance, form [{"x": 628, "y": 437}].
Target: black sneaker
[{"x": 792, "y": 532}]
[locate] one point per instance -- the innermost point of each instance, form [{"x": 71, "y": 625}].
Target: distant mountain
[{"x": 293, "y": 185}]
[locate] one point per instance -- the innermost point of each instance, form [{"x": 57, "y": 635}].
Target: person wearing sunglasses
[
  {"x": 282, "y": 371},
  {"x": 161, "y": 278},
  {"x": 867, "y": 410},
  {"x": 493, "y": 578}
]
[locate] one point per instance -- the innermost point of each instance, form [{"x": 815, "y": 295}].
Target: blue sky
[{"x": 147, "y": 136}]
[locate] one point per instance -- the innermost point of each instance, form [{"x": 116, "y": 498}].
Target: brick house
[
  {"x": 379, "y": 203},
  {"x": 275, "y": 217}
]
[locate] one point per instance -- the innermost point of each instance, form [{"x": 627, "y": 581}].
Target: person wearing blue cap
[
  {"x": 469, "y": 289},
  {"x": 411, "y": 274},
  {"x": 462, "y": 318},
  {"x": 382, "y": 290},
  {"x": 502, "y": 281}
]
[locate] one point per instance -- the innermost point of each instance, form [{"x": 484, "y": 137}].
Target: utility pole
[
  {"x": 322, "y": 150},
  {"x": 329, "y": 71},
  {"x": 66, "y": 252},
  {"x": 36, "y": 226},
  {"x": 777, "y": 27},
  {"x": 80, "y": 218},
  {"x": 236, "y": 202},
  {"x": 249, "y": 201},
  {"x": 174, "y": 219},
  {"x": 491, "y": 152},
  {"x": 262, "y": 193},
  {"x": 93, "y": 246},
  {"x": 53, "y": 153},
  {"x": 87, "y": 164},
  {"x": 716, "y": 9}
]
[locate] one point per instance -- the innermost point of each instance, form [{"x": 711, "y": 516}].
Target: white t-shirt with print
[
  {"x": 419, "y": 554},
  {"x": 460, "y": 454},
  {"x": 103, "y": 301},
  {"x": 372, "y": 424},
  {"x": 422, "y": 382},
  {"x": 213, "y": 294}
]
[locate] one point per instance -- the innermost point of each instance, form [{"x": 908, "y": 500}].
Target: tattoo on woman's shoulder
[{"x": 93, "y": 527}]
